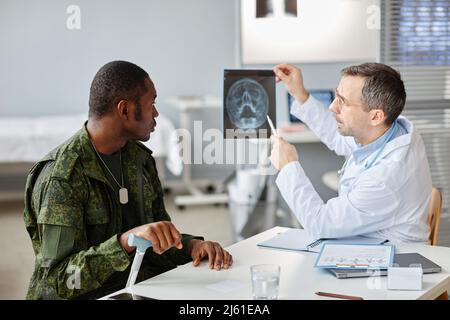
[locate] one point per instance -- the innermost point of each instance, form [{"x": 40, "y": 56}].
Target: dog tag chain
[{"x": 123, "y": 192}]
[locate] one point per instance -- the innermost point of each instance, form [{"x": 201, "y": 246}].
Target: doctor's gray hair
[{"x": 383, "y": 88}]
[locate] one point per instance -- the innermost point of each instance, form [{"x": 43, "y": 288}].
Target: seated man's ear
[{"x": 123, "y": 109}]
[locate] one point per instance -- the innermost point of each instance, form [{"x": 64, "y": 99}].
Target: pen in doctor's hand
[
  {"x": 339, "y": 296},
  {"x": 272, "y": 127}
]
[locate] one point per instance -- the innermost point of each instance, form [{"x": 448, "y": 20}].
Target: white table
[{"x": 298, "y": 280}]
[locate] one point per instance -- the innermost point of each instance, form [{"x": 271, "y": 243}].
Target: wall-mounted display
[{"x": 302, "y": 31}]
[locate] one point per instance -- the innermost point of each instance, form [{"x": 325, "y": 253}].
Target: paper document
[
  {"x": 299, "y": 240},
  {"x": 349, "y": 256}
]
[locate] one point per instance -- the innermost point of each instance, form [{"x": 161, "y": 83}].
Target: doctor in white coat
[{"x": 385, "y": 183}]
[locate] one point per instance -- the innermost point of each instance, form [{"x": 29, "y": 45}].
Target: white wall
[{"x": 47, "y": 69}]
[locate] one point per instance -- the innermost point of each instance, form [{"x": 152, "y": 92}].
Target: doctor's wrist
[
  {"x": 302, "y": 96},
  {"x": 286, "y": 163}
]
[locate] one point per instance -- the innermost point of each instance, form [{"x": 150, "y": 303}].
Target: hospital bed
[{"x": 25, "y": 140}]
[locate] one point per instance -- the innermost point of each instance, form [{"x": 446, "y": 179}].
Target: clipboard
[{"x": 355, "y": 256}]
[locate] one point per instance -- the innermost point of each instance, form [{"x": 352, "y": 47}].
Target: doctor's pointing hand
[{"x": 282, "y": 152}]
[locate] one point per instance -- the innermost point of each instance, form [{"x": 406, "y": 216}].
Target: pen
[
  {"x": 315, "y": 243},
  {"x": 340, "y": 296},
  {"x": 274, "y": 131}
]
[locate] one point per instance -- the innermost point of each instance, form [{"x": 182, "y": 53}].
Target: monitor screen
[{"x": 324, "y": 96}]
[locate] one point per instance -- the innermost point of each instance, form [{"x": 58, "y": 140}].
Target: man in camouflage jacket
[{"x": 77, "y": 224}]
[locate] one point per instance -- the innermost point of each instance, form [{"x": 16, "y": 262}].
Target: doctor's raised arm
[{"x": 318, "y": 117}]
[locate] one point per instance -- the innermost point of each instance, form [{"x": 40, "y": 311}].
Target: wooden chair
[
  {"x": 434, "y": 215},
  {"x": 434, "y": 218}
]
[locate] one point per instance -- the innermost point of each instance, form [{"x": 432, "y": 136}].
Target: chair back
[{"x": 434, "y": 215}]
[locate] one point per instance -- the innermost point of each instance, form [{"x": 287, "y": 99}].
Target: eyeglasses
[{"x": 341, "y": 103}]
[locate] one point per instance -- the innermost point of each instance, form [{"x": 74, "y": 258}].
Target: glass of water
[{"x": 265, "y": 281}]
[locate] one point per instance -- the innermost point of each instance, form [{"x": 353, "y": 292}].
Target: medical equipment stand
[
  {"x": 184, "y": 106},
  {"x": 245, "y": 195}
]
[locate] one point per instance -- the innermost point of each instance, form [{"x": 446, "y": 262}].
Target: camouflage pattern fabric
[{"x": 74, "y": 221}]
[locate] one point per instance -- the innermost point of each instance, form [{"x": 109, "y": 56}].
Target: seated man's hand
[
  {"x": 282, "y": 153},
  {"x": 218, "y": 257},
  {"x": 162, "y": 234}
]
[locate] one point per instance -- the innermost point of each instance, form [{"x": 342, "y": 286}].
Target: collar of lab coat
[
  {"x": 401, "y": 143},
  {"x": 364, "y": 151}
]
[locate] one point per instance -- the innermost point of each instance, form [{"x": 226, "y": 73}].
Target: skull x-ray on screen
[{"x": 249, "y": 96}]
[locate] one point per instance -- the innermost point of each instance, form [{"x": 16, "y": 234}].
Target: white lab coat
[{"x": 389, "y": 200}]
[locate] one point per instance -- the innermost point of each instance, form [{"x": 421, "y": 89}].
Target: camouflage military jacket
[{"x": 74, "y": 221}]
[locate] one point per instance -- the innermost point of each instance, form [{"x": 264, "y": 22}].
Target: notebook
[{"x": 299, "y": 240}]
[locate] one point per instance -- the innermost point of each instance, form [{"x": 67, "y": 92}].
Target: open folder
[{"x": 299, "y": 240}]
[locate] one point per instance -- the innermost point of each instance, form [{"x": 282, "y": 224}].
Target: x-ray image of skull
[{"x": 247, "y": 104}]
